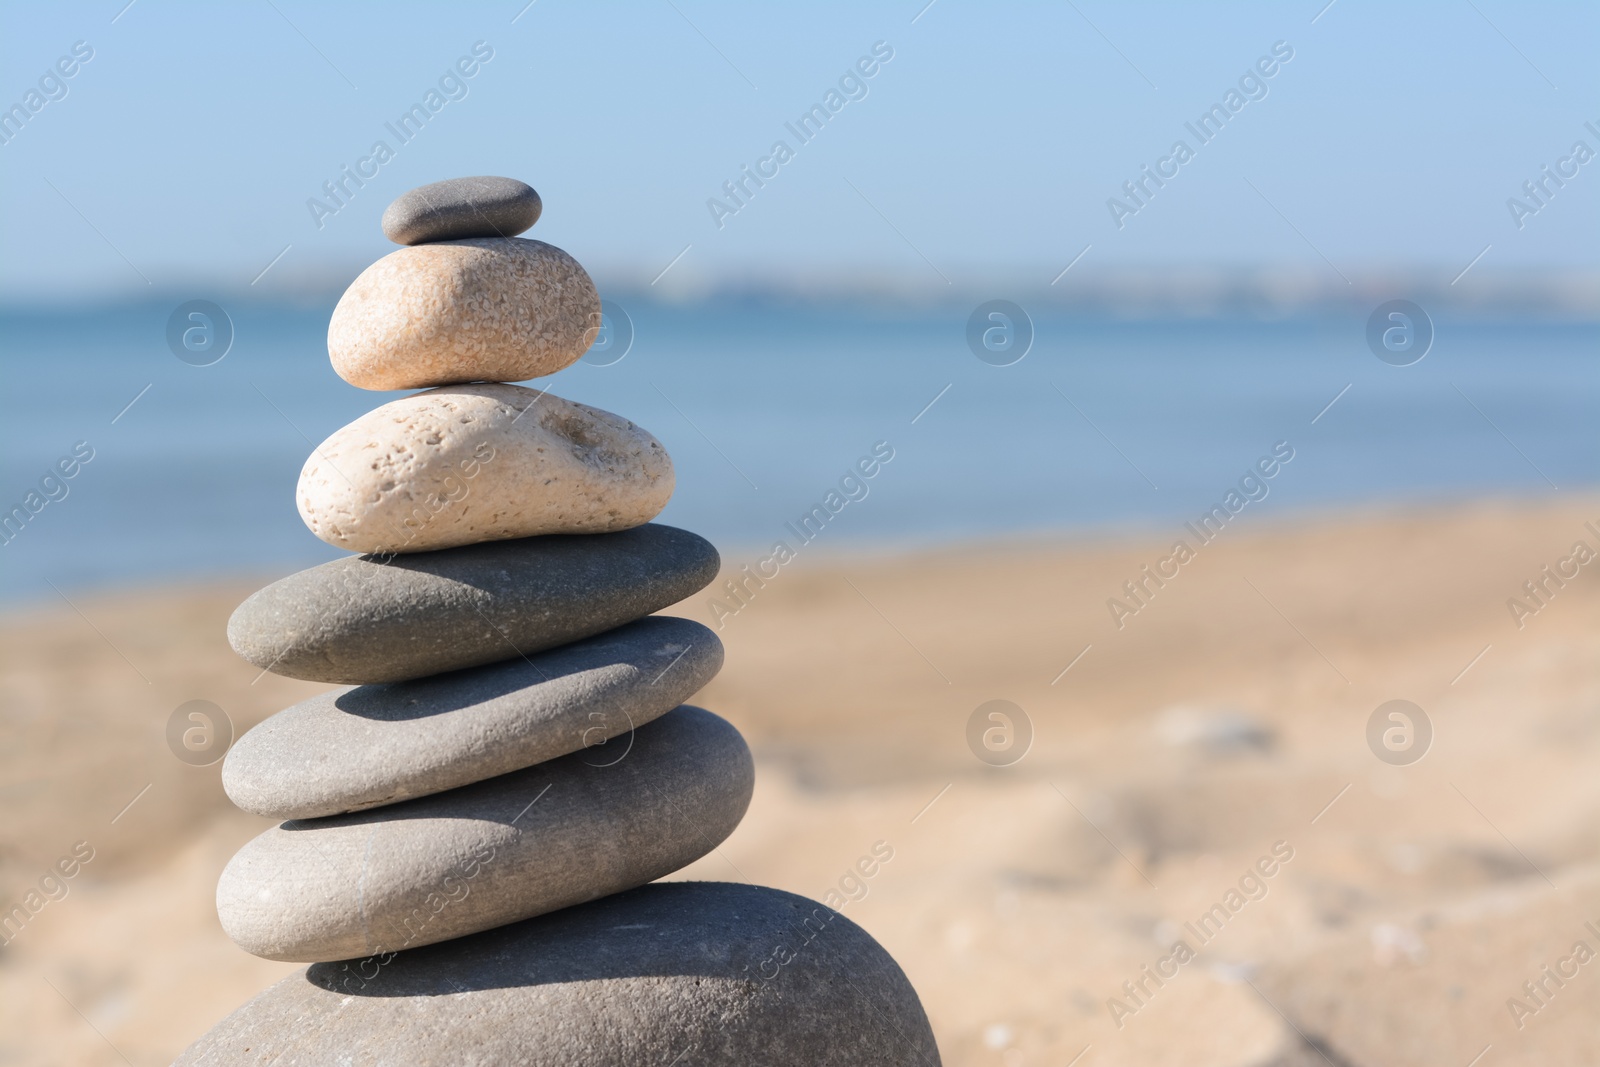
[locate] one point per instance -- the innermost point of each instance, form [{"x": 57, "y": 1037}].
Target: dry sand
[{"x": 1223, "y": 719}]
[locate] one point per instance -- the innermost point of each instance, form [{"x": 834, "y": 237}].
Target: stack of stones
[{"x": 473, "y": 818}]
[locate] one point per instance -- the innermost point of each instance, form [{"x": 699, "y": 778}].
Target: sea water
[{"x": 768, "y": 408}]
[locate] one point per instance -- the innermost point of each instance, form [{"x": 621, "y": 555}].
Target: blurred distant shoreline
[{"x": 1265, "y": 291}]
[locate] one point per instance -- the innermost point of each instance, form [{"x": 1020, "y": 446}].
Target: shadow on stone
[
  {"x": 440, "y": 694},
  {"x": 664, "y": 930},
  {"x": 694, "y": 972}
]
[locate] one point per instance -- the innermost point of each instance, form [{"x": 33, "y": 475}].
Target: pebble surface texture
[
  {"x": 470, "y": 463},
  {"x": 462, "y": 207},
  {"x": 682, "y": 972},
  {"x": 498, "y": 309},
  {"x": 472, "y": 819},
  {"x": 363, "y": 619},
  {"x": 352, "y": 749},
  {"x": 505, "y": 849}
]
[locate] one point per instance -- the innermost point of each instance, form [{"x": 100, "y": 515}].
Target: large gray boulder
[{"x": 707, "y": 974}]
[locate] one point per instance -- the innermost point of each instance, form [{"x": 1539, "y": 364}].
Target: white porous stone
[{"x": 470, "y": 463}]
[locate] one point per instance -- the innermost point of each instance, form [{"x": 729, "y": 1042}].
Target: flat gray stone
[
  {"x": 683, "y": 973},
  {"x": 351, "y": 749},
  {"x": 462, "y": 207},
  {"x": 367, "y": 619},
  {"x": 523, "y": 844}
]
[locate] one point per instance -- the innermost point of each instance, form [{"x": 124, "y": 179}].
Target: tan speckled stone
[
  {"x": 495, "y": 309},
  {"x": 470, "y": 463}
]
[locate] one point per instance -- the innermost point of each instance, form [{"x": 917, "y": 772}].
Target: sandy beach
[{"x": 1212, "y": 752}]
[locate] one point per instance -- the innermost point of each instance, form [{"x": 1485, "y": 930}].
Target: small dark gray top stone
[
  {"x": 351, "y": 749},
  {"x": 462, "y": 207},
  {"x": 494, "y": 852},
  {"x": 365, "y": 619},
  {"x": 704, "y": 973}
]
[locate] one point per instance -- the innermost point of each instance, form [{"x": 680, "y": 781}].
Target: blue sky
[{"x": 188, "y": 146}]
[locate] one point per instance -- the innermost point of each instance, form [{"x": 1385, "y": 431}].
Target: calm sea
[{"x": 1102, "y": 424}]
